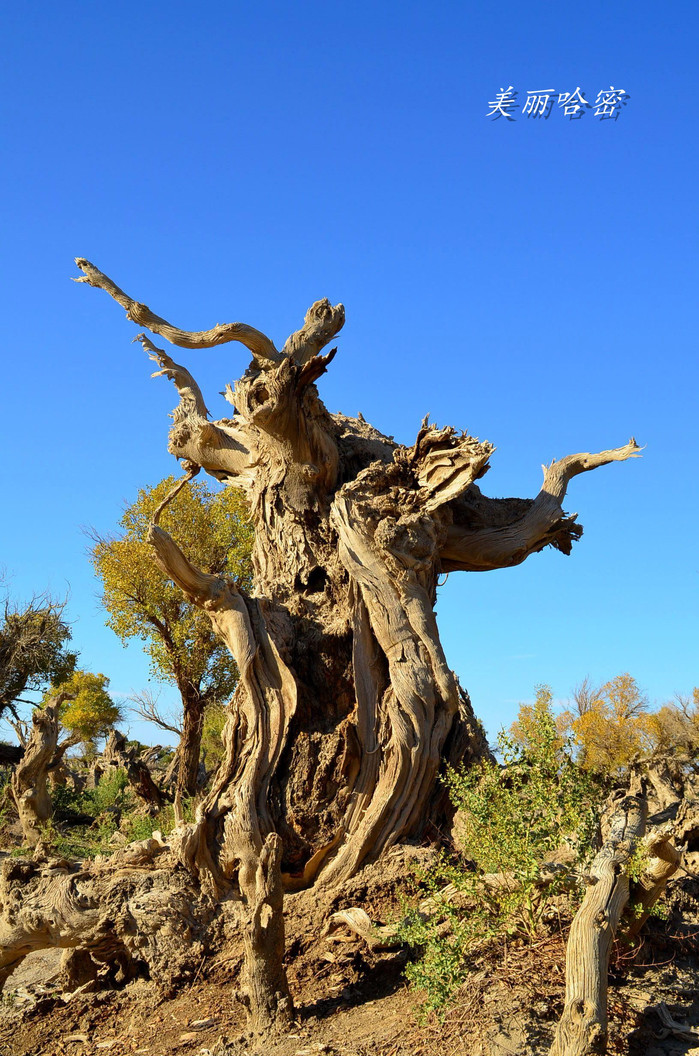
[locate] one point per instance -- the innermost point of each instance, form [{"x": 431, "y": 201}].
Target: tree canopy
[
  {"x": 34, "y": 650},
  {"x": 88, "y": 711},
  {"x": 142, "y": 603},
  {"x": 610, "y": 725}
]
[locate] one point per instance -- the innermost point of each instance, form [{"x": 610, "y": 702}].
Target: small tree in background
[
  {"x": 142, "y": 603},
  {"x": 34, "y": 650},
  {"x": 535, "y": 726},
  {"x": 674, "y": 728},
  {"x": 88, "y": 712},
  {"x": 611, "y": 727}
]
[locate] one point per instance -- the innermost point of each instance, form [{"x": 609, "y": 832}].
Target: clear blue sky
[{"x": 532, "y": 281}]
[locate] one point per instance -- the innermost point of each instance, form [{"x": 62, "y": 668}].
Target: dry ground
[{"x": 353, "y": 1001}]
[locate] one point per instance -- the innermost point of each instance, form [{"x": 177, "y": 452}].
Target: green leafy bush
[
  {"x": 114, "y": 808},
  {"x": 109, "y": 791},
  {"x": 512, "y": 820}
]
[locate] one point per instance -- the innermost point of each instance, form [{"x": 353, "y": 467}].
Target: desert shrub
[
  {"x": 105, "y": 804},
  {"x": 513, "y": 819},
  {"x": 110, "y": 791},
  {"x": 139, "y": 827},
  {"x": 113, "y": 807}
]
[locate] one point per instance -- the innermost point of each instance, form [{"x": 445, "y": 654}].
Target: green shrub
[
  {"x": 114, "y": 807},
  {"x": 109, "y": 791},
  {"x": 512, "y": 817},
  {"x": 139, "y": 827}
]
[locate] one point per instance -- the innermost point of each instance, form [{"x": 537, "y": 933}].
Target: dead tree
[
  {"x": 117, "y": 756},
  {"x": 346, "y": 707},
  {"x": 582, "y": 1030},
  {"x": 28, "y": 784},
  {"x": 614, "y": 894}
]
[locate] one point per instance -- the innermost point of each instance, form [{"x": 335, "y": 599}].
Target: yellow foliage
[
  {"x": 611, "y": 726},
  {"x": 675, "y": 726},
  {"x": 213, "y": 530},
  {"x": 533, "y": 718},
  {"x": 92, "y": 712},
  {"x": 614, "y": 727}
]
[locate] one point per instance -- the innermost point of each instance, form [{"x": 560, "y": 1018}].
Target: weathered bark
[
  {"x": 346, "y": 707},
  {"x": 660, "y": 776},
  {"x": 117, "y": 755},
  {"x": 135, "y": 912},
  {"x": 664, "y": 859},
  {"x": 266, "y": 989},
  {"x": 28, "y": 784},
  {"x": 582, "y": 1030}
]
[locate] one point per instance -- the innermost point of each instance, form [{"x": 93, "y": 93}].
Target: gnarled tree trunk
[
  {"x": 346, "y": 707},
  {"x": 582, "y": 1030},
  {"x": 29, "y": 782},
  {"x": 189, "y": 747},
  {"x": 117, "y": 755}
]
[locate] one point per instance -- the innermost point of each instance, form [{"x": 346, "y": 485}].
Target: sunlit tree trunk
[{"x": 29, "y": 782}]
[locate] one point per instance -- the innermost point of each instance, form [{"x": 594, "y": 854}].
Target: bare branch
[
  {"x": 191, "y": 399},
  {"x": 199, "y": 587},
  {"x": 478, "y": 543},
  {"x": 62, "y": 748},
  {"x": 585, "y": 695},
  {"x": 216, "y": 447},
  {"x": 20, "y": 727},
  {"x": 259, "y": 344},
  {"x": 322, "y": 323},
  {"x": 146, "y": 707},
  {"x": 558, "y": 475},
  {"x": 191, "y": 471}
]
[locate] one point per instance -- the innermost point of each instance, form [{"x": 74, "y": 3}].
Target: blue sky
[{"x": 532, "y": 281}]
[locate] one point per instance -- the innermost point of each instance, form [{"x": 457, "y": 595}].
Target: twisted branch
[
  {"x": 259, "y": 344},
  {"x": 191, "y": 399},
  {"x": 322, "y": 323},
  {"x": 522, "y": 527}
]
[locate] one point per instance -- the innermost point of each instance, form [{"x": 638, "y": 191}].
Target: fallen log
[{"x": 134, "y": 913}]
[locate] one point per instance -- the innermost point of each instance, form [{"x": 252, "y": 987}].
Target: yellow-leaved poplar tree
[
  {"x": 89, "y": 712},
  {"x": 610, "y": 726},
  {"x": 674, "y": 727},
  {"x": 212, "y": 528}
]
